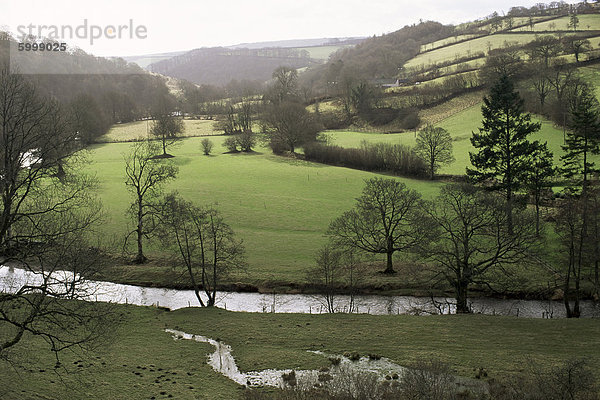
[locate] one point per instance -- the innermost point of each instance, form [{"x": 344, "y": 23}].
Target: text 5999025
[{"x": 54, "y": 46}]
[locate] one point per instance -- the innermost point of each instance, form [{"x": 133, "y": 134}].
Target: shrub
[
  {"x": 333, "y": 120},
  {"x": 395, "y": 158},
  {"x": 429, "y": 380},
  {"x": 207, "y": 146},
  {"x": 231, "y": 144},
  {"x": 246, "y": 140}
]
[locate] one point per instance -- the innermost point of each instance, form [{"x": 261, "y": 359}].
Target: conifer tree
[{"x": 504, "y": 151}]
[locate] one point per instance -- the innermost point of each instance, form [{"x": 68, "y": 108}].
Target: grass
[
  {"x": 501, "y": 345},
  {"x": 482, "y": 44},
  {"x": 322, "y": 52},
  {"x": 586, "y": 22},
  {"x": 460, "y": 125},
  {"x": 446, "y": 41},
  {"x": 140, "y": 129},
  {"x": 280, "y": 207}
]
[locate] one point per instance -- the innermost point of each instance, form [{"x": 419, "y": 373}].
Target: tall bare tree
[
  {"x": 474, "y": 240},
  {"x": 145, "y": 176},
  {"x": 167, "y": 126},
  {"x": 44, "y": 219},
  {"x": 385, "y": 220},
  {"x": 289, "y": 126},
  {"x": 434, "y": 146},
  {"x": 206, "y": 244}
]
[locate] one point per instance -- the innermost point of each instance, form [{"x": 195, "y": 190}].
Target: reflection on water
[{"x": 11, "y": 279}]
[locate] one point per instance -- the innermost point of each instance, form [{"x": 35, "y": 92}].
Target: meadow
[
  {"x": 281, "y": 207},
  {"x": 141, "y": 361},
  {"x": 131, "y": 131},
  {"x": 586, "y": 22},
  {"x": 481, "y": 44}
]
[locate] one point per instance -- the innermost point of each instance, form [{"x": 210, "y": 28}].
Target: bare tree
[
  {"x": 336, "y": 272},
  {"x": 539, "y": 178},
  {"x": 289, "y": 126},
  {"x": 145, "y": 177},
  {"x": 205, "y": 243},
  {"x": 576, "y": 46},
  {"x": 540, "y": 82},
  {"x": 474, "y": 239},
  {"x": 434, "y": 146},
  {"x": 44, "y": 219},
  {"x": 385, "y": 220},
  {"x": 35, "y": 144},
  {"x": 167, "y": 125},
  {"x": 284, "y": 87}
]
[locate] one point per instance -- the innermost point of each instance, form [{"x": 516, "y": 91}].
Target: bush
[
  {"x": 427, "y": 380},
  {"x": 231, "y": 144},
  {"x": 395, "y": 158},
  {"x": 409, "y": 118},
  {"x": 246, "y": 140},
  {"x": 572, "y": 380},
  {"x": 207, "y": 146},
  {"x": 333, "y": 120}
]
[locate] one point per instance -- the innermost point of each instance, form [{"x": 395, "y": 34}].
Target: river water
[{"x": 13, "y": 278}]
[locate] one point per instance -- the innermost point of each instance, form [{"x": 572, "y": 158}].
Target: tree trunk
[
  {"x": 509, "y": 207},
  {"x": 462, "y": 306},
  {"x": 140, "y": 258},
  {"x": 537, "y": 217},
  {"x": 389, "y": 269}
]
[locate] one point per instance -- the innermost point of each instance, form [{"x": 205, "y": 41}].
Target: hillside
[
  {"x": 247, "y": 61},
  {"x": 95, "y": 92}
]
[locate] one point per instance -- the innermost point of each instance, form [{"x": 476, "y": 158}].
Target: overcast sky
[{"x": 175, "y": 25}]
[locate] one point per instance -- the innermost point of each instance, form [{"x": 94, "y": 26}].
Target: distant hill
[
  {"x": 299, "y": 43},
  {"x": 245, "y": 61},
  {"x": 145, "y": 60}
]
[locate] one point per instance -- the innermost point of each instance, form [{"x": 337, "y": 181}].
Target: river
[{"x": 13, "y": 278}]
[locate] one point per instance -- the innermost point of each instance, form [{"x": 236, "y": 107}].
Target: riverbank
[
  {"x": 141, "y": 360},
  {"x": 410, "y": 280}
]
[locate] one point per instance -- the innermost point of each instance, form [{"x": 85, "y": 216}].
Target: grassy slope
[
  {"x": 481, "y": 44},
  {"x": 502, "y": 345},
  {"x": 586, "y": 22},
  {"x": 280, "y": 207},
  {"x": 460, "y": 126},
  {"x": 524, "y": 35}
]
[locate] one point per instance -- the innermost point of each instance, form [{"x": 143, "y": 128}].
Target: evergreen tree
[
  {"x": 539, "y": 177},
  {"x": 504, "y": 152},
  {"x": 582, "y": 140}
]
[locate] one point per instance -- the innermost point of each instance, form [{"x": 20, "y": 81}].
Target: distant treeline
[
  {"x": 93, "y": 101},
  {"x": 218, "y": 66}
]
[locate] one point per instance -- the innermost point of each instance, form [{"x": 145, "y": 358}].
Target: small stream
[
  {"x": 222, "y": 361},
  {"x": 339, "y": 376},
  {"x": 13, "y": 278}
]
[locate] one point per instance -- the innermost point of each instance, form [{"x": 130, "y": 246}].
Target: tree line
[{"x": 483, "y": 227}]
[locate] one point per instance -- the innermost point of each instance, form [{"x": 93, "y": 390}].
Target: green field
[
  {"x": 141, "y": 129},
  {"x": 322, "y": 52},
  {"x": 445, "y": 41},
  {"x": 460, "y": 126},
  {"x": 482, "y": 44},
  {"x": 586, "y": 22},
  {"x": 280, "y": 207},
  {"x": 127, "y": 365}
]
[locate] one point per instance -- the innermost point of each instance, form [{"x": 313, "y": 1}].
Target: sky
[{"x": 136, "y": 27}]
